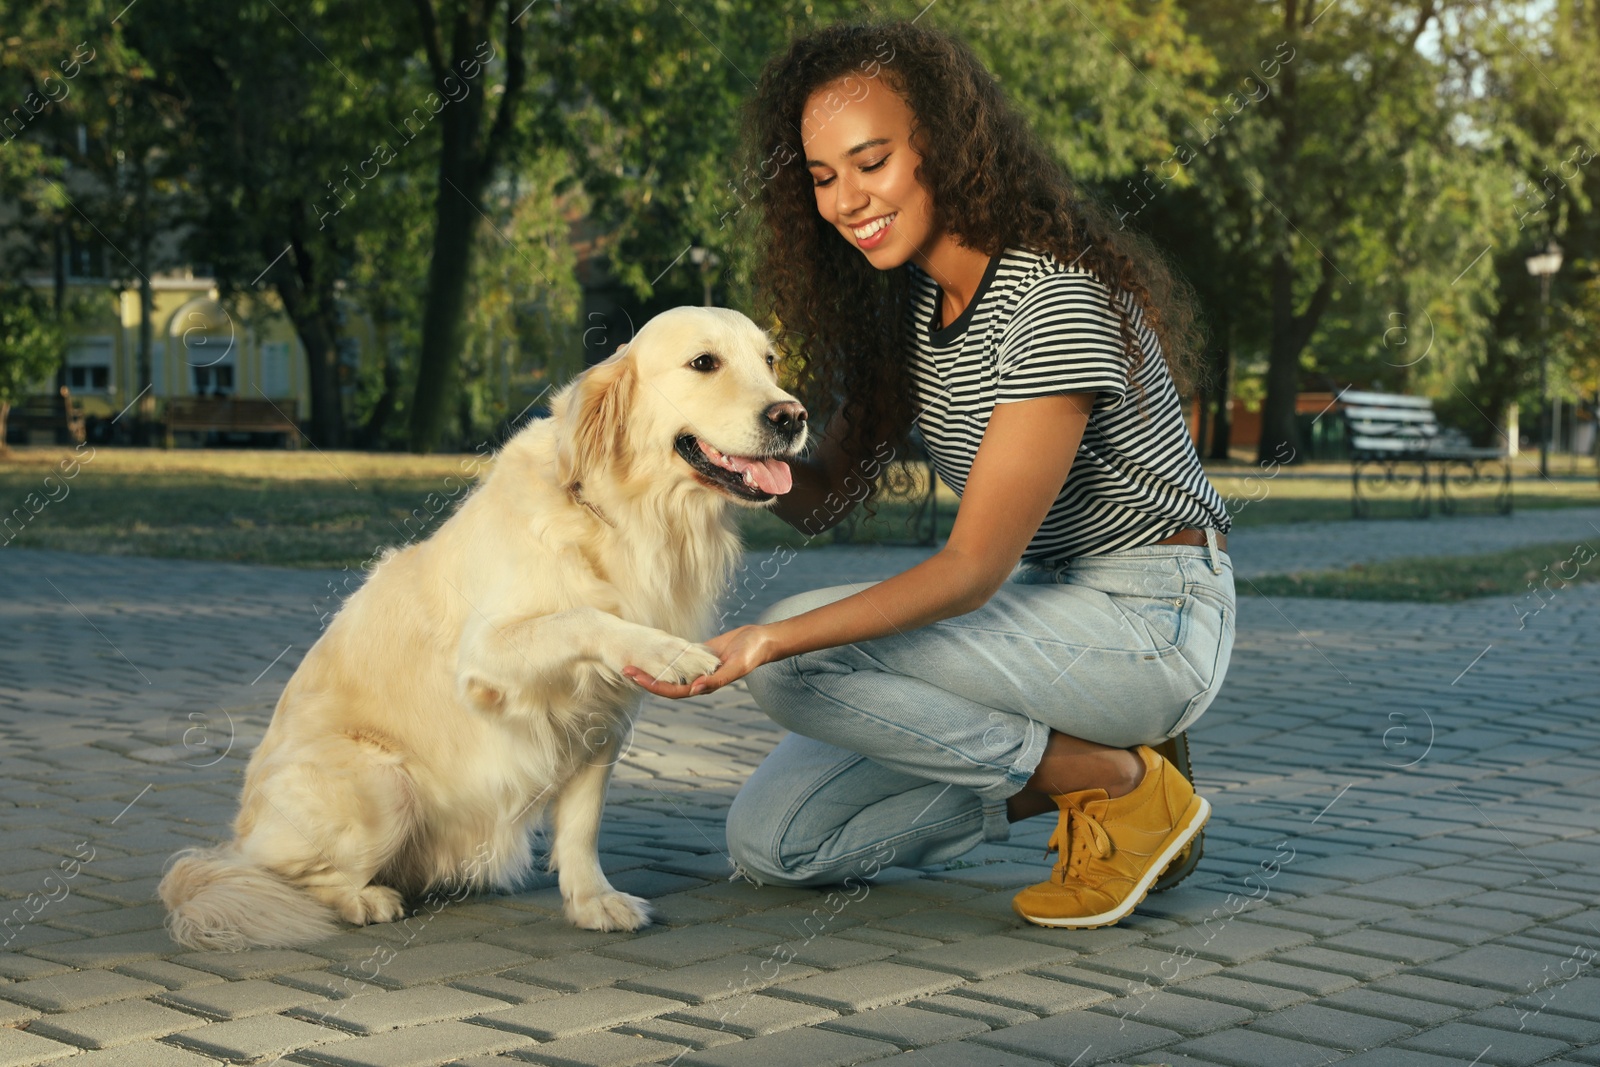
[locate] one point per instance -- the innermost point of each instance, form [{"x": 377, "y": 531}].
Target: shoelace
[{"x": 1093, "y": 837}]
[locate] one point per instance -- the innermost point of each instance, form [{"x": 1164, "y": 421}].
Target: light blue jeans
[{"x": 903, "y": 749}]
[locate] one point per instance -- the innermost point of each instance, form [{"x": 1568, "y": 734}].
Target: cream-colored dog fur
[{"x": 472, "y": 685}]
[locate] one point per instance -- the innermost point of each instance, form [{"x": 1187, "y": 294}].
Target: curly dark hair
[{"x": 992, "y": 184}]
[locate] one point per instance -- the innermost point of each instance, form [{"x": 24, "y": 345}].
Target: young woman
[{"x": 933, "y": 266}]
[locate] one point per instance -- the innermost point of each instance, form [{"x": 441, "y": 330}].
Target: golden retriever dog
[{"x": 472, "y": 685}]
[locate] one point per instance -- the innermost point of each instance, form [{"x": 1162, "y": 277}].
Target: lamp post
[
  {"x": 1543, "y": 266},
  {"x": 707, "y": 261}
]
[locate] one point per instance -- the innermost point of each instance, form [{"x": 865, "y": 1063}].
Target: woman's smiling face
[{"x": 863, "y": 166}]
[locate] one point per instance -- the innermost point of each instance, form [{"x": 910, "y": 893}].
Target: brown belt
[{"x": 1195, "y": 537}]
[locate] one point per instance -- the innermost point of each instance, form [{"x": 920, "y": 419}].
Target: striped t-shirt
[{"x": 1035, "y": 328}]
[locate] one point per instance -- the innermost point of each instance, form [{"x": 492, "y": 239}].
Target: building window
[
  {"x": 89, "y": 365},
  {"x": 275, "y": 369},
  {"x": 85, "y": 258},
  {"x": 213, "y": 381},
  {"x": 211, "y": 364}
]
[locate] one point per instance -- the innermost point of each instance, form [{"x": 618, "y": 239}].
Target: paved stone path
[{"x": 1402, "y": 870}]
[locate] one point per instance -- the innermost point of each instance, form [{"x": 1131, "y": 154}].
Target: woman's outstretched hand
[{"x": 741, "y": 650}]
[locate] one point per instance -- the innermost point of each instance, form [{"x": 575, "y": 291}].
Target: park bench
[
  {"x": 226, "y": 414},
  {"x": 54, "y": 415},
  {"x": 1396, "y": 441}
]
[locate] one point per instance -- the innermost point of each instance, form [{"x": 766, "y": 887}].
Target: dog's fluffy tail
[{"x": 218, "y": 899}]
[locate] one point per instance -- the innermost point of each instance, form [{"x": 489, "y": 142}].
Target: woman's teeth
[{"x": 864, "y": 232}]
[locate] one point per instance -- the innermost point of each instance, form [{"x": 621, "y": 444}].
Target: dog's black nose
[{"x": 787, "y": 417}]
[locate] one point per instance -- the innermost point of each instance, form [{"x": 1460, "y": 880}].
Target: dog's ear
[{"x": 594, "y": 418}]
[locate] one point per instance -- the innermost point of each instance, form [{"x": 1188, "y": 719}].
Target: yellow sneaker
[{"x": 1112, "y": 851}]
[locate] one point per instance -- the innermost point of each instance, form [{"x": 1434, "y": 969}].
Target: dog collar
[{"x": 572, "y": 490}]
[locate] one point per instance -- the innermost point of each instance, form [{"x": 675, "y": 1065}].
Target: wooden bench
[
  {"x": 226, "y": 414},
  {"x": 1396, "y": 441},
  {"x": 55, "y": 415}
]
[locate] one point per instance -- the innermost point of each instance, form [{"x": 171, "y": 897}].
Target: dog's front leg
[
  {"x": 501, "y": 653},
  {"x": 586, "y": 894}
]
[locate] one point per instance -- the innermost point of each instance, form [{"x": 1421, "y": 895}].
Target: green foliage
[
  {"x": 652, "y": 94},
  {"x": 1324, "y": 175},
  {"x": 31, "y": 341},
  {"x": 522, "y": 331},
  {"x": 655, "y": 92}
]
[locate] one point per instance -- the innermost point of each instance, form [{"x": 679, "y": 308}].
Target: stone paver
[
  {"x": 595, "y": 1010},
  {"x": 605, "y": 1049},
  {"x": 83, "y": 989},
  {"x": 237, "y": 1000},
  {"x": 583, "y": 970},
  {"x": 247, "y": 1040},
  {"x": 986, "y": 957},
  {"x": 730, "y": 976},
  {"x": 117, "y": 1023},
  {"x": 1331, "y": 1028},
  {"x": 1063, "y": 1038},
  {"x": 1401, "y": 859},
  {"x": 416, "y": 1046},
  {"x": 1249, "y": 1047},
  {"x": 1492, "y": 1045},
  {"x": 144, "y": 1054},
  {"x": 1175, "y": 1010},
  {"x": 907, "y": 1027},
  {"x": 18, "y": 1048},
  {"x": 375, "y": 1012},
  {"x": 803, "y": 1048},
  {"x": 753, "y": 1015},
  {"x": 872, "y": 985},
  {"x": 1038, "y": 994},
  {"x": 961, "y": 1054}
]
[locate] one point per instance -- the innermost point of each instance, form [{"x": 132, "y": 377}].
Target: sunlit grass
[
  {"x": 313, "y": 509},
  {"x": 1522, "y": 573},
  {"x": 298, "y": 509}
]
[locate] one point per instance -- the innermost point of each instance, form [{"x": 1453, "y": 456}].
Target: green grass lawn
[
  {"x": 297, "y": 509},
  {"x": 313, "y": 509},
  {"x": 1518, "y": 572},
  {"x": 294, "y": 509},
  {"x": 1255, "y": 499}
]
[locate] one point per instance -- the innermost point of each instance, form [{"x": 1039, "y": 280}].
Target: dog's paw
[
  {"x": 609, "y": 911},
  {"x": 672, "y": 659},
  {"x": 374, "y": 904}
]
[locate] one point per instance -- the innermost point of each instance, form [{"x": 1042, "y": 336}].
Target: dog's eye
[
  {"x": 771, "y": 359},
  {"x": 705, "y": 362}
]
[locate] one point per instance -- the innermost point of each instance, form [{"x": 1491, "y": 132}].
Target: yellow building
[{"x": 201, "y": 345}]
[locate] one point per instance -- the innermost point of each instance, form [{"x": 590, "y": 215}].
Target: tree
[
  {"x": 114, "y": 140},
  {"x": 34, "y": 74},
  {"x": 1540, "y": 109},
  {"x": 1208, "y": 229},
  {"x": 31, "y": 343},
  {"x": 651, "y": 94},
  {"x": 473, "y": 139},
  {"x": 655, "y": 91},
  {"x": 289, "y": 155},
  {"x": 521, "y": 332},
  {"x": 1326, "y": 139}
]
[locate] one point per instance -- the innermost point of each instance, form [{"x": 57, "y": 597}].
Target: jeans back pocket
[
  {"x": 1220, "y": 655},
  {"x": 1162, "y": 617}
]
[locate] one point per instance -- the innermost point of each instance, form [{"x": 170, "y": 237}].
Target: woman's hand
[{"x": 741, "y": 651}]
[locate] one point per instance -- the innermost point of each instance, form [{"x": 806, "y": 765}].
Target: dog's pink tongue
[{"x": 770, "y": 475}]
